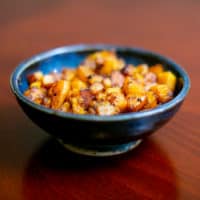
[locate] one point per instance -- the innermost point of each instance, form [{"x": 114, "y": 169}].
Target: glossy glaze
[{"x": 91, "y": 129}]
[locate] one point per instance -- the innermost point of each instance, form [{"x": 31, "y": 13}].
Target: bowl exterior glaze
[
  {"x": 89, "y": 129},
  {"x": 95, "y": 132}
]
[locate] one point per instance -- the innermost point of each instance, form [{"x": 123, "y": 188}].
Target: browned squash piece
[
  {"x": 76, "y": 107},
  {"x": 132, "y": 87},
  {"x": 162, "y": 92},
  {"x": 156, "y": 69},
  {"x": 151, "y": 100},
  {"x": 136, "y": 102},
  {"x": 83, "y": 72},
  {"x": 167, "y": 78},
  {"x": 118, "y": 100},
  {"x": 59, "y": 93}
]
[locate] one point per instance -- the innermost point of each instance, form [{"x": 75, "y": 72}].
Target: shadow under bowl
[{"x": 91, "y": 134}]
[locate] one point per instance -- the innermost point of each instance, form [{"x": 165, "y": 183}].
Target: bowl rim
[{"x": 93, "y": 118}]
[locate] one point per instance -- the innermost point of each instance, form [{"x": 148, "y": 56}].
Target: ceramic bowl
[{"x": 90, "y": 134}]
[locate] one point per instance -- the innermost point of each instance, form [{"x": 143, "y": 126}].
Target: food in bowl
[{"x": 103, "y": 84}]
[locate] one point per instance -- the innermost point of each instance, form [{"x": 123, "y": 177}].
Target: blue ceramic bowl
[{"x": 90, "y": 134}]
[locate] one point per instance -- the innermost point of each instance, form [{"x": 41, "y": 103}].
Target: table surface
[{"x": 164, "y": 166}]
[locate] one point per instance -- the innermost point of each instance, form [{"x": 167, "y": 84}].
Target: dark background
[{"x": 166, "y": 166}]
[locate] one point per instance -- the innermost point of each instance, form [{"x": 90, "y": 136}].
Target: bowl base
[{"x": 101, "y": 150}]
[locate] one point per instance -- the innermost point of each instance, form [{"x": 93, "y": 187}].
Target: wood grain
[{"x": 33, "y": 166}]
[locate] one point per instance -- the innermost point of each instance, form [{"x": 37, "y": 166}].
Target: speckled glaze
[{"x": 90, "y": 129}]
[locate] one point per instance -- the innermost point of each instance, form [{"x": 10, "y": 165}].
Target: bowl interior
[{"x": 57, "y": 60}]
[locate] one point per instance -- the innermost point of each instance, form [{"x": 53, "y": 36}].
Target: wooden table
[{"x": 165, "y": 166}]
